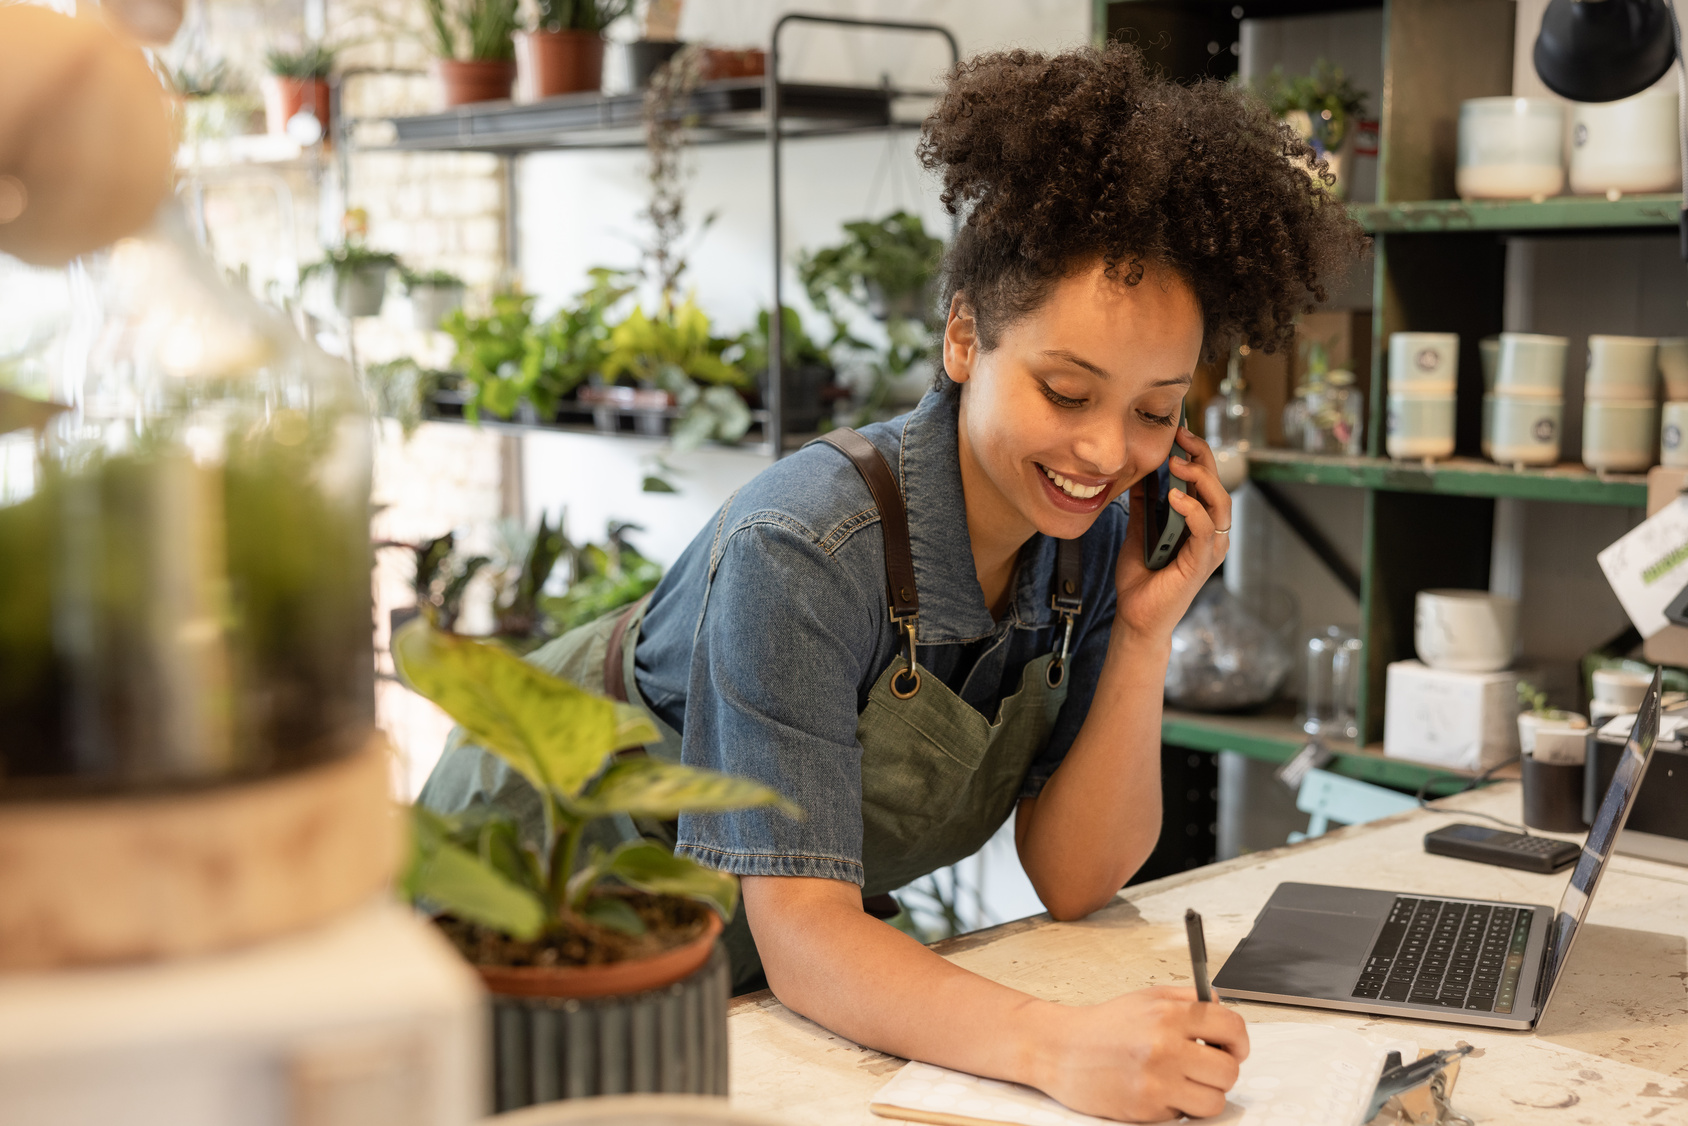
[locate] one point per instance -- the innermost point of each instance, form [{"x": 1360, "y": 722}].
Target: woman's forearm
[
  {"x": 845, "y": 970},
  {"x": 1099, "y": 816}
]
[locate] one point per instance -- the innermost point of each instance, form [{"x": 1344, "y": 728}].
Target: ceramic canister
[
  {"x": 1626, "y": 146},
  {"x": 1673, "y": 365},
  {"x": 1465, "y": 630},
  {"x": 1618, "y": 434},
  {"x": 1510, "y": 148},
  {"x": 1488, "y": 349},
  {"x": 1423, "y": 362},
  {"x": 1420, "y": 426},
  {"x": 1673, "y": 436},
  {"x": 1526, "y": 431},
  {"x": 1531, "y": 364},
  {"x": 1621, "y": 367}
]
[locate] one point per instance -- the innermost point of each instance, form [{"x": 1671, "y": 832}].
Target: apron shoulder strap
[
  {"x": 1068, "y": 596},
  {"x": 901, "y": 596},
  {"x": 893, "y": 517}
]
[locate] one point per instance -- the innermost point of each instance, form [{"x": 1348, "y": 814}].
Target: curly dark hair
[{"x": 1060, "y": 160}]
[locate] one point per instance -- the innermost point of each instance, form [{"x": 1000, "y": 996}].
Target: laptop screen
[{"x": 1597, "y": 848}]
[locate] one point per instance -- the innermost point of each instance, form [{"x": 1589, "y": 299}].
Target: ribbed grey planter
[{"x": 671, "y": 1040}]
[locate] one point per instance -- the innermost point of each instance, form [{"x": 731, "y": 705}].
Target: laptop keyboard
[{"x": 1439, "y": 952}]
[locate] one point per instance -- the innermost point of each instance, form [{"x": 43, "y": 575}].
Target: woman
[{"x": 1115, "y": 224}]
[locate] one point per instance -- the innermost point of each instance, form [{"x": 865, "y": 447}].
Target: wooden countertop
[{"x": 1613, "y": 1047}]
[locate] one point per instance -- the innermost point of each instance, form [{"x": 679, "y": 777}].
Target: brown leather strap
[
  {"x": 1068, "y": 597},
  {"x": 615, "y": 680},
  {"x": 893, "y": 517}
]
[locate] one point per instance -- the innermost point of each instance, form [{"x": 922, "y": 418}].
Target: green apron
[{"x": 938, "y": 778}]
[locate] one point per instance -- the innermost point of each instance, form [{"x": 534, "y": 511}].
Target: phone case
[{"x": 1167, "y": 531}]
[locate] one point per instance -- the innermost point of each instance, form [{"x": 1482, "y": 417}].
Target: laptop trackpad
[{"x": 1312, "y": 953}]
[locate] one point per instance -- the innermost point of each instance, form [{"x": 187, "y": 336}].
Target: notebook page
[{"x": 1295, "y": 1074}]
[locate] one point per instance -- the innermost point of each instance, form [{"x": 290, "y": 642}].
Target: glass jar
[
  {"x": 1332, "y": 415},
  {"x": 184, "y": 537}
]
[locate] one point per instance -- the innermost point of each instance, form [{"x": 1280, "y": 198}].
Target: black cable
[{"x": 1471, "y": 783}]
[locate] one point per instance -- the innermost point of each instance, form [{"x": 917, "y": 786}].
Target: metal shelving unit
[
  {"x": 1464, "y": 477},
  {"x": 1561, "y": 214}
]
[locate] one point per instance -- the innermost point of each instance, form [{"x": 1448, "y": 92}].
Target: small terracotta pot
[
  {"x": 723, "y": 62},
  {"x": 549, "y": 63},
  {"x": 615, "y": 978},
  {"x": 284, "y": 97},
  {"x": 463, "y": 81}
]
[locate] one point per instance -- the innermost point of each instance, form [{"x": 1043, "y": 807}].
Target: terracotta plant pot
[
  {"x": 464, "y": 81},
  {"x": 549, "y": 63},
  {"x": 722, "y": 62},
  {"x": 652, "y": 1025},
  {"x": 284, "y": 97}
]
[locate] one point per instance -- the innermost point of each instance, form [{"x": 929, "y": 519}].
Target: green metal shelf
[
  {"x": 1561, "y": 213},
  {"x": 1275, "y": 737},
  {"x": 1569, "y": 484}
]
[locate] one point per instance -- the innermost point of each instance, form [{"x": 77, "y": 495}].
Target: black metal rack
[{"x": 723, "y": 112}]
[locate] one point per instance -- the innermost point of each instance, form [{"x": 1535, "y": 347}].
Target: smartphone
[{"x": 1166, "y": 531}]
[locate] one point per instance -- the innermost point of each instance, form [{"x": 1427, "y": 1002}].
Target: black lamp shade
[{"x": 1603, "y": 50}]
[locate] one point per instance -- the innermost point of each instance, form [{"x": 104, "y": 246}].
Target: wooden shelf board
[
  {"x": 1561, "y": 213},
  {"x": 1274, "y": 736},
  {"x": 1566, "y": 483}
]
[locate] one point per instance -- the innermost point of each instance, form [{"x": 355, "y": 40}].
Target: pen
[{"x": 1198, "y": 954}]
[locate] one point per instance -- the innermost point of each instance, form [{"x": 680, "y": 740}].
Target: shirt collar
[{"x": 952, "y": 604}]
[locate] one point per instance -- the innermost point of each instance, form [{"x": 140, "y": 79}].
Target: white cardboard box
[{"x": 1467, "y": 720}]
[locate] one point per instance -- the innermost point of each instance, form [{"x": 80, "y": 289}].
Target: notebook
[{"x": 1295, "y": 1073}]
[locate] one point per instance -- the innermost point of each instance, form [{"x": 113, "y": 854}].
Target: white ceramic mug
[
  {"x": 1673, "y": 365},
  {"x": 1673, "y": 435},
  {"x": 1626, "y": 146},
  {"x": 1526, "y": 431},
  {"x": 1621, "y": 688},
  {"x": 1621, "y": 367},
  {"x": 1510, "y": 148},
  {"x": 1423, "y": 361},
  {"x": 1531, "y": 364},
  {"x": 1420, "y": 426},
  {"x": 1465, "y": 630},
  {"x": 1618, "y": 434}
]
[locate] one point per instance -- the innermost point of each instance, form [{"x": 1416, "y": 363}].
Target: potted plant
[
  {"x": 360, "y": 277},
  {"x": 601, "y": 578},
  {"x": 808, "y": 377},
  {"x": 573, "y": 934},
  {"x": 1537, "y": 717},
  {"x": 210, "y": 99},
  {"x": 476, "y": 54},
  {"x": 674, "y": 352},
  {"x": 1323, "y": 107},
  {"x": 564, "y": 53},
  {"x": 297, "y": 81},
  {"x": 433, "y": 296}
]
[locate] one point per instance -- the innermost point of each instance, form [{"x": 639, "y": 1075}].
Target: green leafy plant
[
  {"x": 526, "y": 560},
  {"x": 675, "y": 352},
  {"x": 440, "y": 577},
  {"x": 202, "y": 78},
  {"x": 441, "y": 279},
  {"x": 886, "y": 266},
  {"x": 313, "y": 60},
  {"x": 349, "y": 258},
  {"x": 603, "y": 577},
  {"x": 581, "y": 15},
  {"x": 472, "y": 29},
  {"x": 797, "y": 347},
  {"x": 401, "y": 389},
  {"x": 1328, "y": 98},
  {"x": 1534, "y": 701},
  {"x": 563, "y": 741}
]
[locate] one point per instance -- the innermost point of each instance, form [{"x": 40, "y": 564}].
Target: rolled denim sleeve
[
  {"x": 783, "y": 645},
  {"x": 1095, "y": 626}
]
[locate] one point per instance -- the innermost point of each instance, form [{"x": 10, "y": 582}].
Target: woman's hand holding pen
[
  {"x": 1143, "y": 1057},
  {"x": 1152, "y": 602}
]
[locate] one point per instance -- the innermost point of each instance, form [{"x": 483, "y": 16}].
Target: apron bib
[{"x": 938, "y": 778}]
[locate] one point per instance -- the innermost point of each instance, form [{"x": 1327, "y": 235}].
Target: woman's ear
[{"x": 961, "y": 340}]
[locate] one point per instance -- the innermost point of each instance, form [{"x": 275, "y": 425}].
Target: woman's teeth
[{"x": 1072, "y": 489}]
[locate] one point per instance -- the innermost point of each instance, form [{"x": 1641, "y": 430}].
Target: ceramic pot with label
[
  {"x": 1626, "y": 146},
  {"x": 1526, "y": 431},
  {"x": 1465, "y": 630}
]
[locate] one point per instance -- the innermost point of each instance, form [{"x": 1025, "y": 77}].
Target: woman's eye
[
  {"x": 1059, "y": 399},
  {"x": 1156, "y": 419}
]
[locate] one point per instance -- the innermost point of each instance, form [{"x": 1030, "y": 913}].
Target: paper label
[{"x": 1648, "y": 567}]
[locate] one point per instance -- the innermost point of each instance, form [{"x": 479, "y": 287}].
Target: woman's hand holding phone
[{"x": 1152, "y": 602}]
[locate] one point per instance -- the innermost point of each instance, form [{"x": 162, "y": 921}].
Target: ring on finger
[{"x": 1221, "y": 531}]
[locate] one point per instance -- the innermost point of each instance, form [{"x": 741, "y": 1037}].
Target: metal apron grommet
[
  {"x": 910, "y": 673},
  {"x": 1053, "y": 676}
]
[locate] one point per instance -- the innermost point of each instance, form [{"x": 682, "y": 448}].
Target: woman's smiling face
[{"x": 1078, "y": 400}]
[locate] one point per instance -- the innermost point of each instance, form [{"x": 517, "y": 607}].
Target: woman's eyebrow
[
  {"x": 1177, "y": 381},
  {"x": 1076, "y": 361}
]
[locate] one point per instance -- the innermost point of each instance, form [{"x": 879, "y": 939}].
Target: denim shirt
[{"x": 761, "y": 644}]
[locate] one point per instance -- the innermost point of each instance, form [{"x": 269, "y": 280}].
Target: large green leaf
[
  {"x": 455, "y": 879},
  {"x": 616, "y": 914},
  {"x": 556, "y": 735},
  {"x": 649, "y": 787},
  {"x": 650, "y": 867}
]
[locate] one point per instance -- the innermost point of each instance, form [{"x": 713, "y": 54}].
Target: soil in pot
[
  {"x": 284, "y": 97},
  {"x": 549, "y": 63},
  {"x": 465, "y": 81}
]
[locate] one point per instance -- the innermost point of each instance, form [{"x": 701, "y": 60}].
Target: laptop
[{"x": 1461, "y": 961}]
